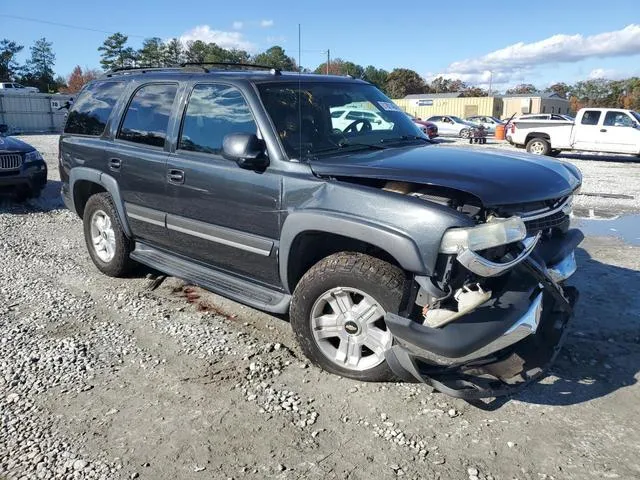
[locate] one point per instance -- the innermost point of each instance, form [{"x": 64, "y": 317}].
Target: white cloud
[
  {"x": 266, "y": 23},
  {"x": 237, "y": 25},
  {"x": 276, "y": 39},
  {"x": 512, "y": 62},
  {"x": 219, "y": 37}
]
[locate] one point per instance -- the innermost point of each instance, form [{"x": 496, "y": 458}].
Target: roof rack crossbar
[
  {"x": 274, "y": 70},
  {"x": 124, "y": 70}
]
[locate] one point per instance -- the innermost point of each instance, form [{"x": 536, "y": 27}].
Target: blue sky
[{"x": 517, "y": 43}]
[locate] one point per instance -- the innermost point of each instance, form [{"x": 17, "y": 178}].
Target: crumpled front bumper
[{"x": 502, "y": 346}]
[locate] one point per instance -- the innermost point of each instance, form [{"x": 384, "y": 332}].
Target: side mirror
[
  {"x": 4, "y": 128},
  {"x": 246, "y": 149}
]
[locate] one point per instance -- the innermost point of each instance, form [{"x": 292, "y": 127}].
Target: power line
[{"x": 66, "y": 25}]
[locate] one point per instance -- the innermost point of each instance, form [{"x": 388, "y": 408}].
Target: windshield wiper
[
  {"x": 349, "y": 147},
  {"x": 404, "y": 138}
]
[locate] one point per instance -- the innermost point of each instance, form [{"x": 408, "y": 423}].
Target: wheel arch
[
  {"x": 325, "y": 234},
  {"x": 84, "y": 182},
  {"x": 531, "y": 136}
]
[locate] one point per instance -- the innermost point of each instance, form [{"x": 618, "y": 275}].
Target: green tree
[
  {"x": 474, "y": 92},
  {"x": 39, "y": 68},
  {"x": 559, "y": 88},
  {"x": 338, "y": 66},
  {"x": 376, "y": 76},
  {"x": 522, "y": 89},
  {"x": 277, "y": 58},
  {"x": 446, "y": 85},
  {"x": 402, "y": 82},
  {"x": 9, "y": 68},
  {"x": 115, "y": 53},
  {"x": 174, "y": 52},
  {"x": 196, "y": 51},
  {"x": 152, "y": 53}
]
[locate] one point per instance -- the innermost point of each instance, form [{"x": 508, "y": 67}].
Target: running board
[{"x": 229, "y": 286}]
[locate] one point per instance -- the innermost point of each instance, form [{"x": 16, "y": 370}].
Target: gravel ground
[{"x": 122, "y": 378}]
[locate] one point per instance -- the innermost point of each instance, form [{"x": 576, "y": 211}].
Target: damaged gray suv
[{"x": 395, "y": 258}]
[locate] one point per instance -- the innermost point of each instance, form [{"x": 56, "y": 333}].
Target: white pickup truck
[{"x": 611, "y": 130}]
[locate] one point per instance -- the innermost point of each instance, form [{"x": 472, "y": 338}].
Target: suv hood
[
  {"x": 10, "y": 144},
  {"x": 493, "y": 176}
]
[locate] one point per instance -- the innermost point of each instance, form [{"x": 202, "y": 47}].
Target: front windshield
[{"x": 317, "y": 118}]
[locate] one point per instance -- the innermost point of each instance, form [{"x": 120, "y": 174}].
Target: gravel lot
[{"x": 122, "y": 378}]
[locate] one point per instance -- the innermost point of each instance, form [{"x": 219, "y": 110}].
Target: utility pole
[
  {"x": 490, "y": 80},
  {"x": 328, "y": 60}
]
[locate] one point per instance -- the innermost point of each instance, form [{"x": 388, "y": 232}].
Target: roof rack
[
  {"x": 273, "y": 70},
  {"x": 125, "y": 70},
  {"x": 187, "y": 66}
]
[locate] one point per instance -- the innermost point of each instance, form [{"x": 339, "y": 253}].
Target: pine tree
[{"x": 115, "y": 53}]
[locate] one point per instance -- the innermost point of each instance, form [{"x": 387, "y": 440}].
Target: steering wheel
[{"x": 366, "y": 126}]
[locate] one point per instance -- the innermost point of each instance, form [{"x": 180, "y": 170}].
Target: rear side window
[
  {"x": 590, "y": 117},
  {"x": 354, "y": 116},
  {"x": 213, "y": 112},
  {"x": 337, "y": 113},
  {"x": 148, "y": 115},
  {"x": 92, "y": 108}
]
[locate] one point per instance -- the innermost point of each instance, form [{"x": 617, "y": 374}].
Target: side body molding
[
  {"x": 397, "y": 244},
  {"x": 110, "y": 185}
]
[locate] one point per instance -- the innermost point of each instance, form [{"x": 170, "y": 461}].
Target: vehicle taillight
[{"x": 513, "y": 128}]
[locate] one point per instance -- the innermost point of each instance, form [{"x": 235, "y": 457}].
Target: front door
[
  {"x": 219, "y": 214},
  {"x": 587, "y": 132},
  {"x": 139, "y": 154},
  {"x": 619, "y": 133}
]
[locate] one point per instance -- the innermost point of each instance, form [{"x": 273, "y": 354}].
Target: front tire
[
  {"x": 337, "y": 314},
  {"x": 538, "y": 146},
  {"x": 465, "y": 133},
  {"x": 108, "y": 246}
]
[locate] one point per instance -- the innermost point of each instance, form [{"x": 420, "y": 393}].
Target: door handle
[
  {"x": 603, "y": 130},
  {"x": 115, "y": 163},
  {"x": 176, "y": 176}
]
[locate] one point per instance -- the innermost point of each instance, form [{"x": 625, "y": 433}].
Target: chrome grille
[
  {"x": 10, "y": 161},
  {"x": 543, "y": 215}
]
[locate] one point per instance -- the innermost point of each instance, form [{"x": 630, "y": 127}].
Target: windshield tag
[{"x": 392, "y": 107}]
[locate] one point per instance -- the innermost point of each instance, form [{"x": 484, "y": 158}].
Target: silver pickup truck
[{"x": 610, "y": 130}]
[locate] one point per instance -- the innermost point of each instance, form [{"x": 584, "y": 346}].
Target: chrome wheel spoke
[
  {"x": 367, "y": 311},
  {"x": 342, "y": 351},
  {"x": 328, "y": 332},
  {"x": 342, "y": 302},
  {"x": 378, "y": 341},
  {"x": 354, "y": 353}
]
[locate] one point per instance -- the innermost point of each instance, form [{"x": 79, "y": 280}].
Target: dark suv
[
  {"x": 23, "y": 171},
  {"x": 395, "y": 258}
]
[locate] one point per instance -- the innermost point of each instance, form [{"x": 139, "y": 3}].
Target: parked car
[
  {"x": 342, "y": 118},
  {"x": 394, "y": 258},
  {"x": 545, "y": 116},
  {"x": 430, "y": 129},
  {"x": 453, "y": 126},
  {"x": 23, "y": 171},
  {"x": 611, "y": 130},
  {"x": 16, "y": 87},
  {"x": 489, "y": 123}
]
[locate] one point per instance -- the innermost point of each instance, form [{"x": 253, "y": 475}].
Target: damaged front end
[{"x": 494, "y": 315}]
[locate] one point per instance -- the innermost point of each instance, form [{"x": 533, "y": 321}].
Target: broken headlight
[{"x": 494, "y": 233}]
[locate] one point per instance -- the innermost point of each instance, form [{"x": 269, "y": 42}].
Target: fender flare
[
  {"x": 108, "y": 183},
  {"x": 397, "y": 244}
]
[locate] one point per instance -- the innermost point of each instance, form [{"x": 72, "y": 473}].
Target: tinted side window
[
  {"x": 590, "y": 117},
  {"x": 92, "y": 108},
  {"x": 353, "y": 116},
  {"x": 337, "y": 113},
  {"x": 148, "y": 114},
  {"x": 617, "y": 119},
  {"x": 213, "y": 112}
]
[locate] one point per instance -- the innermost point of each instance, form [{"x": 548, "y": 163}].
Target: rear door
[
  {"x": 139, "y": 155},
  {"x": 619, "y": 133},
  {"x": 586, "y": 133}
]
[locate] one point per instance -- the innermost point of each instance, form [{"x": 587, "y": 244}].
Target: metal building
[
  {"x": 33, "y": 112},
  {"x": 428, "y": 104}
]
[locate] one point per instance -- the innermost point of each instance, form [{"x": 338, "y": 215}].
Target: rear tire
[
  {"x": 538, "y": 146},
  {"x": 337, "y": 314},
  {"x": 108, "y": 246}
]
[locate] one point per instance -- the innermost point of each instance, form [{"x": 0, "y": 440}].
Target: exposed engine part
[
  {"x": 462, "y": 203},
  {"x": 399, "y": 187},
  {"x": 429, "y": 293},
  {"x": 469, "y": 297}
]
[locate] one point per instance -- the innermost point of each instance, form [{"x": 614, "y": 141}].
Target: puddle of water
[{"x": 625, "y": 227}]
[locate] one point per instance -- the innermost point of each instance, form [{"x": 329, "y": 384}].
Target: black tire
[
  {"x": 380, "y": 280},
  {"x": 538, "y": 146},
  {"x": 554, "y": 153},
  {"x": 465, "y": 133},
  {"x": 120, "y": 264}
]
